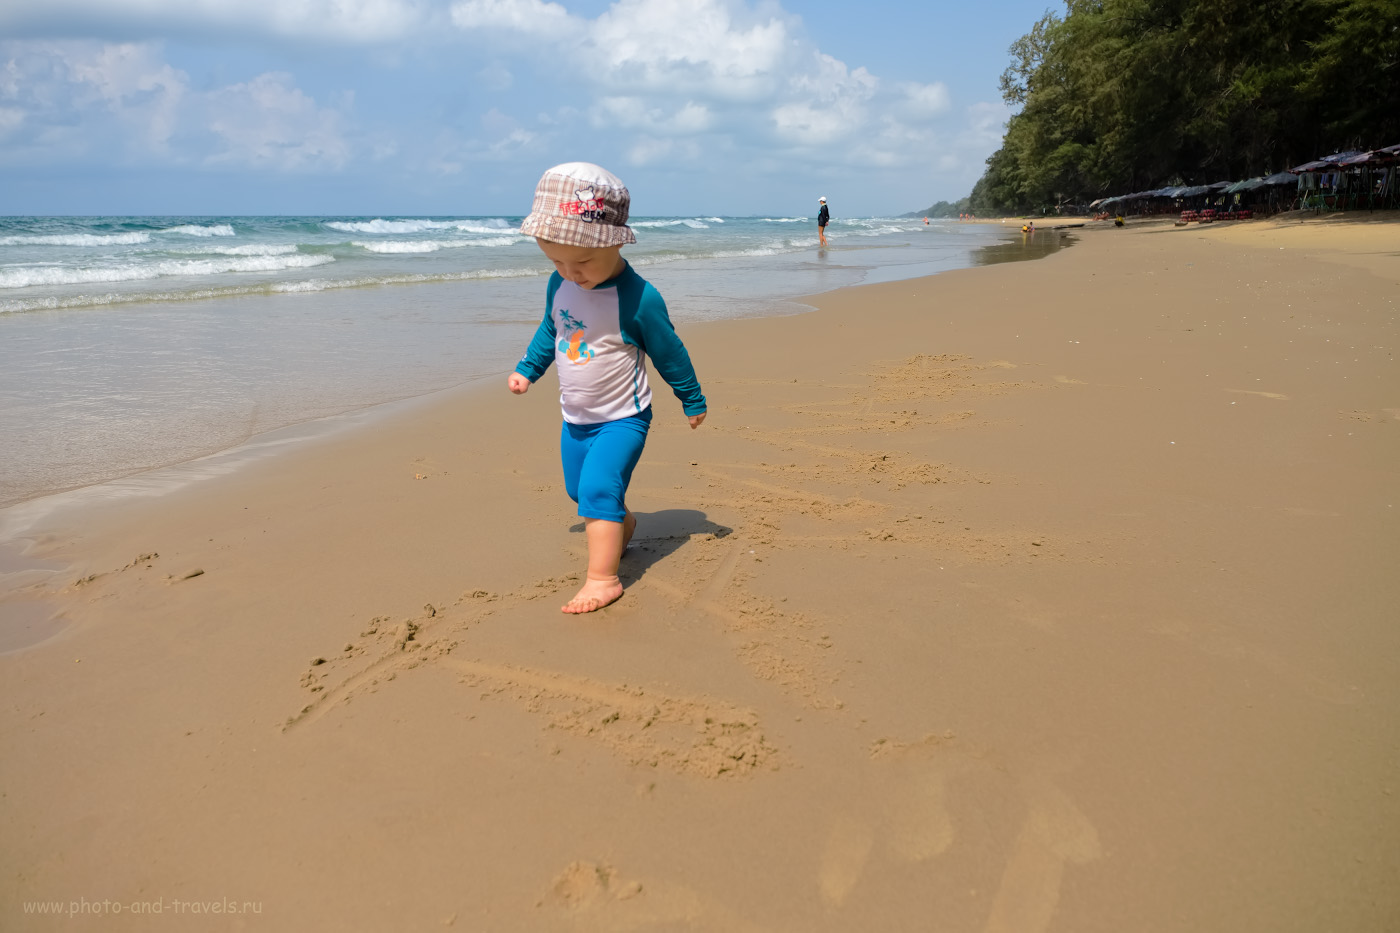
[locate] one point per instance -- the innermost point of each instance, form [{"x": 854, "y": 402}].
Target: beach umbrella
[
  {"x": 1314, "y": 166},
  {"x": 1281, "y": 178},
  {"x": 1249, "y": 184},
  {"x": 1361, "y": 158}
]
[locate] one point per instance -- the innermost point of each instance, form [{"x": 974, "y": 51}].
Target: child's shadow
[{"x": 658, "y": 536}]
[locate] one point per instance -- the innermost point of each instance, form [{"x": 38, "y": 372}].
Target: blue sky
[{"x": 457, "y": 106}]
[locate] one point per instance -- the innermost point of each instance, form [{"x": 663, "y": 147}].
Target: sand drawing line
[
  {"x": 1274, "y": 395},
  {"x": 396, "y": 647},
  {"x": 647, "y": 727}
]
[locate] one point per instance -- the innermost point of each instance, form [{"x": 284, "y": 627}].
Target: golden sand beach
[{"x": 1050, "y": 596}]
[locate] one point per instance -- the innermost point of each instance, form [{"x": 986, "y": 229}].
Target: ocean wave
[
  {"x": 782, "y": 220},
  {"x": 489, "y": 227},
  {"x": 198, "y": 230},
  {"x": 379, "y": 225},
  {"x": 693, "y": 224},
  {"x": 774, "y": 248},
  {"x": 54, "y": 303},
  {"x": 429, "y": 246},
  {"x": 875, "y": 231},
  {"x": 251, "y": 249},
  {"x": 77, "y": 239},
  {"x": 27, "y": 276}
]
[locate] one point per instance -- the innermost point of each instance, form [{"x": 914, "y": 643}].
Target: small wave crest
[
  {"x": 200, "y": 230},
  {"x": 251, "y": 249},
  {"x": 379, "y": 225},
  {"x": 429, "y": 246},
  {"x": 27, "y": 276},
  {"x": 77, "y": 239},
  {"x": 687, "y": 222},
  {"x": 305, "y": 286},
  {"x": 782, "y": 220}
]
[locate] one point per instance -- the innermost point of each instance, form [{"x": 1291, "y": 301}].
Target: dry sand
[{"x": 1054, "y": 596}]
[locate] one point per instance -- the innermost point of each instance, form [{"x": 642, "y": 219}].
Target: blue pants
[{"x": 598, "y": 463}]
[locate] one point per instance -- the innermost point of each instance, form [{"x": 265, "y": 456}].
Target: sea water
[{"x": 128, "y": 343}]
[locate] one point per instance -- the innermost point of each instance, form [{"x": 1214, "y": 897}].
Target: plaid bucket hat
[{"x": 580, "y": 204}]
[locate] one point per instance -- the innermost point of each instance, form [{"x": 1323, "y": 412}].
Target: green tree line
[{"x": 1126, "y": 95}]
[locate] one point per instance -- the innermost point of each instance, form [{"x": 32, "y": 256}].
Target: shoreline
[
  {"x": 189, "y": 378},
  {"x": 1038, "y": 598}
]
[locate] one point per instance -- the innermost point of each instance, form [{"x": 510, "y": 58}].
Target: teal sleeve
[
  {"x": 646, "y": 324},
  {"x": 540, "y": 353}
]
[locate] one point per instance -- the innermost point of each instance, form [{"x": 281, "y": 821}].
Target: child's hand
[
  {"x": 695, "y": 420},
  {"x": 520, "y": 385}
]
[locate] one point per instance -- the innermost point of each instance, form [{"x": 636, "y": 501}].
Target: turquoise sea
[{"x": 128, "y": 343}]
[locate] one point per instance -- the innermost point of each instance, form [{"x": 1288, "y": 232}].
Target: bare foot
[
  {"x": 629, "y": 525},
  {"x": 597, "y": 592}
]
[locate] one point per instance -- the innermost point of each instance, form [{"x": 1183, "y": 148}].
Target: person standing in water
[{"x": 823, "y": 218}]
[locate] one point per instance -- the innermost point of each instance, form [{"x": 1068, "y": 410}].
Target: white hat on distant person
[{"x": 823, "y": 200}]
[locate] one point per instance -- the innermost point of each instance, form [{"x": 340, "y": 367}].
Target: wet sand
[{"x": 1055, "y": 596}]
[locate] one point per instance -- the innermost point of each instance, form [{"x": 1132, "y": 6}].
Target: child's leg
[{"x": 598, "y": 464}]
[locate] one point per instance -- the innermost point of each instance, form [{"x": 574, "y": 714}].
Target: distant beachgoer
[
  {"x": 1028, "y": 227},
  {"x": 823, "y": 218},
  {"x": 602, "y": 321}
]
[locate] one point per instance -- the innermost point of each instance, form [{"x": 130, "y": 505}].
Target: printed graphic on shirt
[
  {"x": 573, "y": 345},
  {"x": 589, "y": 206}
]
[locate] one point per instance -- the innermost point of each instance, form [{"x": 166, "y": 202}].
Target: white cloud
[
  {"x": 270, "y": 123},
  {"x": 530, "y": 17},
  {"x": 10, "y": 119},
  {"x": 927, "y": 99},
  {"x": 648, "y": 150},
  {"x": 708, "y": 82},
  {"x": 72, "y": 100},
  {"x": 496, "y": 76},
  {"x": 652, "y": 38},
  {"x": 636, "y": 113},
  {"x": 73, "y": 97},
  {"x": 669, "y": 71},
  {"x": 136, "y": 85}
]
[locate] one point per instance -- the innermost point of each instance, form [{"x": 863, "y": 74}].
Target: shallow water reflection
[{"x": 1021, "y": 246}]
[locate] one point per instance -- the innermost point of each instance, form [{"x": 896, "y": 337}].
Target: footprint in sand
[
  {"x": 1055, "y": 833},
  {"x": 909, "y": 782},
  {"x": 595, "y": 896},
  {"x": 917, "y": 827}
]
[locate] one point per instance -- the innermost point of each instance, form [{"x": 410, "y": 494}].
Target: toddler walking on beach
[{"x": 601, "y": 321}]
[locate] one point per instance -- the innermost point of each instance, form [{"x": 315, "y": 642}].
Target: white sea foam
[
  {"x": 251, "y": 249},
  {"x": 27, "y": 276},
  {"x": 429, "y": 246},
  {"x": 379, "y": 225},
  {"x": 386, "y": 226},
  {"x": 491, "y": 226},
  {"x": 198, "y": 230},
  {"x": 54, "y": 302},
  {"x": 693, "y": 224},
  {"x": 77, "y": 239},
  {"x": 772, "y": 248},
  {"x": 783, "y": 220}
]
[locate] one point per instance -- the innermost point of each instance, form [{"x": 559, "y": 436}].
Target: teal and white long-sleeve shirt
[{"x": 600, "y": 338}]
